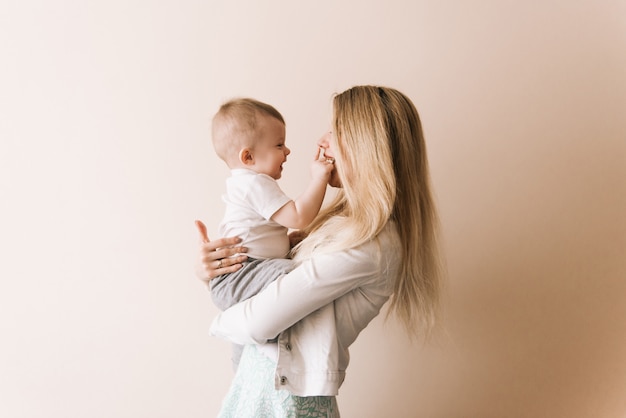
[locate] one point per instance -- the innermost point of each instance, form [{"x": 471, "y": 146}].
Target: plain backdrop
[{"x": 106, "y": 161}]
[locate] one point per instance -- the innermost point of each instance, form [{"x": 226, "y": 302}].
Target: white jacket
[{"x": 317, "y": 311}]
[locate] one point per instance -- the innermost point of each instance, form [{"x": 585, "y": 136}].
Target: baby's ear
[{"x": 246, "y": 157}]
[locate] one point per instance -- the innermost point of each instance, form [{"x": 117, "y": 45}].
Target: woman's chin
[{"x": 334, "y": 181}]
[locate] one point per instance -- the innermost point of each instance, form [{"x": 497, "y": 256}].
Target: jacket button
[
  {"x": 288, "y": 346},
  {"x": 283, "y": 380}
]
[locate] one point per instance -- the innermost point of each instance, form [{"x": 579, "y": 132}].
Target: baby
[{"x": 249, "y": 136}]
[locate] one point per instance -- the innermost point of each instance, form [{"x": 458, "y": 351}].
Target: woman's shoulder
[
  {"x": 383, "y": 249},
  {"x": 386, "y": 242},
  {"x": 389, "y": 237},
  {"x": 381, "y": 257},
  {"x": 370, "y": 258}
]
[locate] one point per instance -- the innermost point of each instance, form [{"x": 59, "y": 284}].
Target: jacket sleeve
[{"x": 312, "y": 285}]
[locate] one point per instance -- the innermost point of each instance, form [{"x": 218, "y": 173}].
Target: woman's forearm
[{"x": 314, "y": 284}]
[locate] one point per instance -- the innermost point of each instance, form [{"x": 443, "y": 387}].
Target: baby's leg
[{"x": 254, "y": 276}]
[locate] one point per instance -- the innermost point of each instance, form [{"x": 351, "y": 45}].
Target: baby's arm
[{"x": 300, "y": 212}]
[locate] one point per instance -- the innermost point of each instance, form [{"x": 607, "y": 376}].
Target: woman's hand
[{"x": 216, "y": 257}]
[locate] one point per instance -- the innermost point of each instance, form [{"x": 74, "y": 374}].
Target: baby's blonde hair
[
  {"x": 383, "y": 167},
  {"x": 235, "y": 125}
]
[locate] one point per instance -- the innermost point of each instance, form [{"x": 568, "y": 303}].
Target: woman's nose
[{"x": 324, "y": 141}]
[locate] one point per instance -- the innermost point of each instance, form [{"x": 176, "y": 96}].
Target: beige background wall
[{"x": 106, "y": 162}]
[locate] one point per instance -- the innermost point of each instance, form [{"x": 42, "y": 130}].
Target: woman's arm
[{"x": 312, "y": 285}]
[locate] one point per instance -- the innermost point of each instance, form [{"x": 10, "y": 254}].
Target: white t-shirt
[{"x": 251, "y": 200}]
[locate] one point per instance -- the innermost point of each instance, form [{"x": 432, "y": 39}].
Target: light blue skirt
[{"x": 252, "y": 394}]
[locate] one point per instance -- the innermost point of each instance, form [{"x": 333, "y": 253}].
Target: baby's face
[{"x": 270, "y": 151}]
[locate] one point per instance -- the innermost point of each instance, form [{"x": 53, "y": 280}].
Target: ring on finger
[{"x": 219, "y": 265}]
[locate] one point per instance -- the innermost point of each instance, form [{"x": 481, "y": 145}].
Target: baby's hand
[{"x": 322, "y": 167}]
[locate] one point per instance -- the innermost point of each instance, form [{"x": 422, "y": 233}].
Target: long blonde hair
[{"x": 383, "y": 167}]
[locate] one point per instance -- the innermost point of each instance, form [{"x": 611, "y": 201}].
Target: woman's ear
[{"x": 246, "y": 157}]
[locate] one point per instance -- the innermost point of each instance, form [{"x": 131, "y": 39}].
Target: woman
[{"x": 376, "y": 240}]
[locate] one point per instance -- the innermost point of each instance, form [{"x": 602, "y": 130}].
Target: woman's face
[{"x": 328, "y": 143}]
